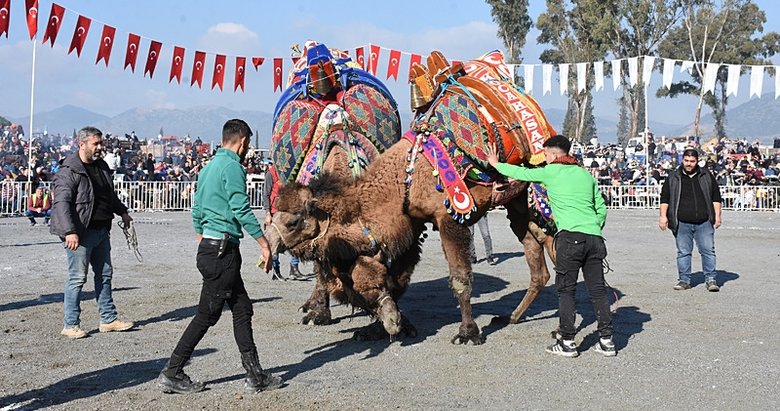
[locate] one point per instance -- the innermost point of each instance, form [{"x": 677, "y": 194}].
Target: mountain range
[{"x": 755, "y": 119}]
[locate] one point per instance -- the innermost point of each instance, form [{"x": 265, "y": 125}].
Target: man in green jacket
[
  {"x": 580, "y": 214},
  {"x": 220, "y": 211}
]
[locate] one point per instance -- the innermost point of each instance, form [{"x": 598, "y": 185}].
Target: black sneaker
[
  {"x": 563, "y": 348},
  {"x": 682, "y": 285},
  {"x": 712, "y": 286},
  {"x": 181, "y": 384},
  {"x": 605, "y": 347}
]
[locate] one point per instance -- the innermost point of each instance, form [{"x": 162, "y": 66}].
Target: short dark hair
[
  {"x": 558, "y": 141},
  {"x": 235, "y": 129},
  {"x": 691, "y": 152}
]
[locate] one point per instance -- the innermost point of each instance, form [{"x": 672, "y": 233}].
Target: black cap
[{"x": 691, "y": 152}]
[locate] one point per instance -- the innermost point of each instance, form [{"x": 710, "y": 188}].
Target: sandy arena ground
[{"x": 677, "y": 349}]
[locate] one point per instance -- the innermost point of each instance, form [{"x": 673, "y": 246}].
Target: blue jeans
[
  {"x": 704, "y": 234},
  {"x": 94, "y": 249}
]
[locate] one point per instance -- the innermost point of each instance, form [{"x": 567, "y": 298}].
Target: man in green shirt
[
  {"x": 220, "y": 211},
  {"x": 580, "y": 214}
]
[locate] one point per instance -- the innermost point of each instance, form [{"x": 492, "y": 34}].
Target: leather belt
[{"x": 215, "y": 242}]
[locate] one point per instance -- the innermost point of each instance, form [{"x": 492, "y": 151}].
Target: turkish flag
[
  {"x": 295, "y": 60},
  {"x": 257, "y": 62},
  {"x": 219, "y": 71},
  {"x": 392, "y": 66},
  {"x": 177, "y": 62},
  {"x": 132, "y": 51},
  {"x": 197, "y": 68},
  {"x": 152, "y": 57},
  {"x": 106, "y": 44},
  {"x": 373, "y": 59},
  {"x": 360, "y": 58},
  {"x": 277, "y": 74},
  {"x": 240, "y": 69},
  {"x": 80, "y": 35},
  {"x": 32, "y": 17},
  {"x": 55, "y": 20},
  {"x": 416, "y": 58},
  {"x": 5, "y": 12}
]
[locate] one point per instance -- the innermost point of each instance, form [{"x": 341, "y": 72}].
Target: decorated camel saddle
[
  {"x": 331, "y": 102},
  {"x": 459, "y": 110}
]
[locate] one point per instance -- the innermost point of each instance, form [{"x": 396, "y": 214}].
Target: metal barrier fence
[{"x": 177, "y": 195}]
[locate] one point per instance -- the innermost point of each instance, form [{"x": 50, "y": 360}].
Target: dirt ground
[{"x": 677, "y": 349}]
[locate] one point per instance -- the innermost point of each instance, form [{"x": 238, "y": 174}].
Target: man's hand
[
  {"x": 492, "y": 154},
  {"x": 198, "y": 237},
  {"x": 126, "y": 219},
  {"x": 663, "y": 222},
  {"x": 268, "y": 219},
  {"x": 718, "y": 221},
  {"x": 265, "y": 254},
  {"x": 72, "y": 242}
]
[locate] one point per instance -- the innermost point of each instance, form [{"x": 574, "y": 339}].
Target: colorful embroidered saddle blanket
[{"x": 331, "y": 103}]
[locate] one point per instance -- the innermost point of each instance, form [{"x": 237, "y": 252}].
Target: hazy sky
[{"x": 460, "y": 29}]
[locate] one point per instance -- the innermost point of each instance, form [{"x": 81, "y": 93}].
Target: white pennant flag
[
  {"x": 732, "y": 84},
  {"x": 547, "y": 70},
  {"x": 756, "y": 80},
  {"x": 616, "y": 74},
  {"x": 633, "y": 70},
  {"x": 710, "y": 75},
  {"x": 647, "y": 70},
  {"x": 528, "y": 74},
  {"x": 511, "y": 68},
  {"x": 582, "y": 73},
  {"x": 668, "y": 72},
  {"x": 686, "y": 65},
  {"x": 598, "y": 75},
  {"x": 564, "y": 78}
]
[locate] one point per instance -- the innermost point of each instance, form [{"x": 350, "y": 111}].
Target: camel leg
[
  {"x": 455, "y": 243},
  {"x": 317, "y": 307},
  {"x": 530, "y": 235}
]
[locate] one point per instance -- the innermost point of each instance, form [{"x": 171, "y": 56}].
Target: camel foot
[
  {"x": 316, "y": 317},
  {"x": 376, "y": 331},
  {"x": 468, "y": 334}
]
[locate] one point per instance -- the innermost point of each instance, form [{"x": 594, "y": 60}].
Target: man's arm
[
  {"x": 234, "y": 179},
  {"x": 717, "y": 207},
  {"x": 601, "y": 208},
  {"x": 663, "y": 220},
  {"x": 536, "y": 175}
]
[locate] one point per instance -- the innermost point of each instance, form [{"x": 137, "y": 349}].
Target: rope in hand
[{"x": 132, "y": 239}]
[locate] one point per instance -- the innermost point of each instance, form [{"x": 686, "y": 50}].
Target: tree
[
  {"x": 578, "y": 34},
  {"x": 638, "y": 28},
  {"x": 714, "y": 34},
  {"x": 513, "y": 22},
  {"x": 4, "y": 122}
]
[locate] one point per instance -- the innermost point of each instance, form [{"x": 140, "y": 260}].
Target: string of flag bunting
[{"x": 394, "y": 58}]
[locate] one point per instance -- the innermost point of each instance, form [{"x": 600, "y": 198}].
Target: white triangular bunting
[
  {"x": 686, "y": 65},
  {"x": 710, "y": 75},
  {"x": 582, "y": 76},
  {"x": 616, "y": 74},
  {"x": 547, "y": 70},
  {"x": 668, "y": 72},
  {"x": 647, "y": 69},
  {"x": 598, "y": 75},
  {"x": 777, "y": 82},
  {"x": 756, "y": 80},
  {"x": 528, "y": 74},
  {"x": 564, "y": 77},
  {"x": 732, "y": 84},
  {"x": 633, "y": 70}
]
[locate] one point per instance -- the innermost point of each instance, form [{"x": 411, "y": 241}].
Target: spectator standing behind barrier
[
  {"x": 690, "y": 208},
  {"x": 220, "y": 210},
  {"x": 484, "y": 229},
  {"x": 580, "y": 215},
  {"x": 84, "y": 203},
  {"x": 38, "y": 205},
  {"x": 8, "y": 194}
]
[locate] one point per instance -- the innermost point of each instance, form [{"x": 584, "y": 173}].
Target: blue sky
[{"x": 460, "y": 29}]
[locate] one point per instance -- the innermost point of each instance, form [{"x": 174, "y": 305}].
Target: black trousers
[
  {"x": 577, "y": 251},
  {"x": 222, "y": 284}
]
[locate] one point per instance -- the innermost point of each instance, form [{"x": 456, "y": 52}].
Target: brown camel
[{"x": 368, "y": 232}]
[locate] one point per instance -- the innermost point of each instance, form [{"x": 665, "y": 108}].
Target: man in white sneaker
[
  {"x": 580, "y": 214},
  {"x": 83, "y": 207}
]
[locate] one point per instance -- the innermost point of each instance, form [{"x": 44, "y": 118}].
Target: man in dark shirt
[
  {"x": 690, "y": 208},
  {"x": 84, "y": 205}
]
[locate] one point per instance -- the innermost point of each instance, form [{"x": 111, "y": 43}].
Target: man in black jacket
[
  {"x": 690, "y": 208},
  {"x": 83, "y": 206}
]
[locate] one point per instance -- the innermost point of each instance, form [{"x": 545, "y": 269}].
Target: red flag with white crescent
[
  {"x": 80, "y": 35},
  {"x": 392, "y": 66},
  {"x": 360, "y": 58},
  {"x": 219, "y": 71},
  {"x": 5, "y": 13},
  {"x": 295, "y": 60},
  {"x": 152, "y": 57},
  {"x": 416, "y": 58},
  {"x": 177, "y": 62},
  {"x": 32, "y": 17},
  {"x": 277, "y": 74},
  {"x": 257, "y": 62},
  {"x": 106, "y": 44},
  {"x": 197, "y": 68},
  {"x": 55, "y": 20},
  {"x": 240, "y": 69},
  {"x": 131, "y": 55},
  {"x": 373, "y": 59}
]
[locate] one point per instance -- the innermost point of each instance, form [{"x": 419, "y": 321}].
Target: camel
[{"x": 367, "y": 233}]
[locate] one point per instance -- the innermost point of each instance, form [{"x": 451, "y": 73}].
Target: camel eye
[{"x": 294, "y": 221}]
